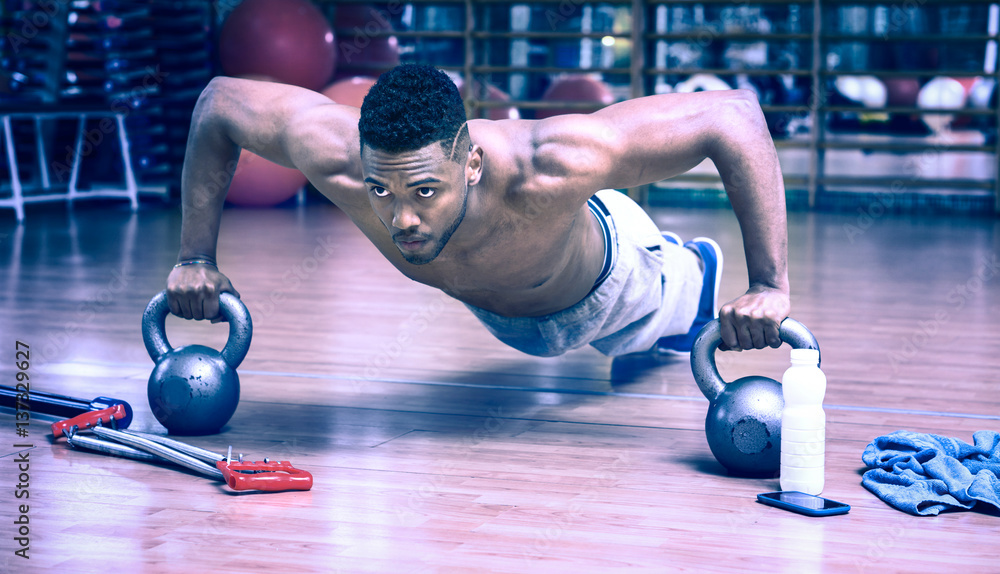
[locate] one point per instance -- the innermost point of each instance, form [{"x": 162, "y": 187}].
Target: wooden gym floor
[{"x": 436, "y": 449}]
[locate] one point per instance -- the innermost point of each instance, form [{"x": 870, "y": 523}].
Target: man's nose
[{"x": 405, "y": 217}]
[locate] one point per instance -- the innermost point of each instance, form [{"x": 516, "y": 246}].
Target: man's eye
[
  {"x": 379, "y": 192},
  {"x": 425, "y": 192}
]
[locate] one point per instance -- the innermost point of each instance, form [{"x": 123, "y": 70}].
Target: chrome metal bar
[
  {"x": 109, "y": 447},
  {"x": 190, "y": 450},
  {"x": 160, "y": 450}
]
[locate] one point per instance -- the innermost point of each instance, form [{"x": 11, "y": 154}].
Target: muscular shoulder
[
  {"x": 504, "y": 156},
  {"x": 572, "y": 146},
  {"x": 542, "y": 166},
  {"x": 634, "y": 142},
  {"x": 324, "y": 139},
  {"x": 324, "y": 145},
  {"x": 286, "y": 124},
  {"x": 556, "y": 162}
]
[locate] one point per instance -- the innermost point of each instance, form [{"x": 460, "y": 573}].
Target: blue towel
[{"x": 924, "y": 474}]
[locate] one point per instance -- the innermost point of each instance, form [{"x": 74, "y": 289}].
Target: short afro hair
[{"x": 410, "y": 107}]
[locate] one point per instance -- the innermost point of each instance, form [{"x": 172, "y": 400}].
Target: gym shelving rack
[
  {"x": 183, "y": 35},
  {"x": 522, "y": 46},
  {"x": 824, "y": 37},
  {"x": 139, "y": 64},
  {"x": 490, "y": 46}
]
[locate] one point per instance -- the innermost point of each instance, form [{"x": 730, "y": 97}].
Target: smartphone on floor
[{"x": 803, "y": 503}]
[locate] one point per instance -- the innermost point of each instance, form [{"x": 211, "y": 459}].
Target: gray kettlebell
[
  {"x": 743, "y": 425},
  {"x": 194, "y": 390}
]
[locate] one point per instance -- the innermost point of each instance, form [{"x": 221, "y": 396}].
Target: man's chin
[
  {"x": 421, "y": 256},
  {"x": 414, "y": 259}
]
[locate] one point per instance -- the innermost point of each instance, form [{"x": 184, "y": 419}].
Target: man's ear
[{"x": 474, "y": 165}]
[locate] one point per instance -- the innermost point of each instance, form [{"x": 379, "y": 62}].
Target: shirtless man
[{"x": 517, "y": 219}]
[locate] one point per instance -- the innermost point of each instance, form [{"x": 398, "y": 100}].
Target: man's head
[
  {"x": 417, "y": 157},
  {"x": 410, "y": 107}
]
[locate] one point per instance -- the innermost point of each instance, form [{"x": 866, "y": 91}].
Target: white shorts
[{"x": 652, "y": 291}]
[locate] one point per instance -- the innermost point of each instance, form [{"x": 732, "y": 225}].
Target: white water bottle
[{"x": 803, "y": 424}]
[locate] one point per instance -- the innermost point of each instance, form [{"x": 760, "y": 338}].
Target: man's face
[{"x": 419, "y": 195}]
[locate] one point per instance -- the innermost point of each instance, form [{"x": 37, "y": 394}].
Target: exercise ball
[
  {"x": 901, "y": 92},
  {"x": 366, "y": 45},
  {"x": 492, "y": 94},
  {"x": 868, "y": 91},
  {"x": 980, "y": 92},
  {"x": 261, "y": 183},
  {"x": 575, "y": 88},
  {"x": 942, "y": 93},
  {"x": 968, "y": 82},
  {"x": 702, "y": 83},
  {"x": 289, "y": 40},
  {"x": 349, "y": 91}
]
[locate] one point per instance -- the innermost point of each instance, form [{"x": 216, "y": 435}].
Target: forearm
[
  {"x": 748, "y": 163},
  {"x": 209, "y": 162}
]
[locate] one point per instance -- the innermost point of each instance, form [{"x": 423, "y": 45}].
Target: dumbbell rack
[
  {"x": 83, "y": 115},
  {"x": 70, "y": 67},
  {"x": 182, "y": 36},
  {"x": 138, "y": 66}
]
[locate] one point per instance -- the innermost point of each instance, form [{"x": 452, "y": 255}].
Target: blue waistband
[{"x": 603, "y": 217}]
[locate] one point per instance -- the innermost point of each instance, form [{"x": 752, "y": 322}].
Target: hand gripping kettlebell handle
[
  {"x": 154, "y": 333},
  {"x": 706, "y": 373}
]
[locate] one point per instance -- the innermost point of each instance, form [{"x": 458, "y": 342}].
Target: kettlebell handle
[
  {"x": 706, "y": 372},
  {"x": 154, "y": 333}
]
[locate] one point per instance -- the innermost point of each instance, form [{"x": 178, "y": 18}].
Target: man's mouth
[{"x": 410, "y": 243}]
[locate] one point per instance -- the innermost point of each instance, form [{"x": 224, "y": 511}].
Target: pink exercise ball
[
  {"x": 576, "y": 88},
  {"x": 901, "y": 92},
  {"x": 349, "y": 91},
  {"x": 261, "y": 183},
  {"x": 289, "y": 40},
  {"x": 364, "y": 47}
]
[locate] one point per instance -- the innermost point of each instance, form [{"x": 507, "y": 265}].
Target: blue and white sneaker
[
  {"x": 708, "y": 305},
  {"x": 672, "y": 237}
]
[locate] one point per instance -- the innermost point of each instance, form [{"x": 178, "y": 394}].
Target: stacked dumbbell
[
  {"x": 110, "y": 63},
  {"x": 30, "y": 57},
  {"x": 183, "y": 40}
]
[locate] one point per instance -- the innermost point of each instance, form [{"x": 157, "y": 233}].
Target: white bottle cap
[{"x": 805, "y": 355}]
